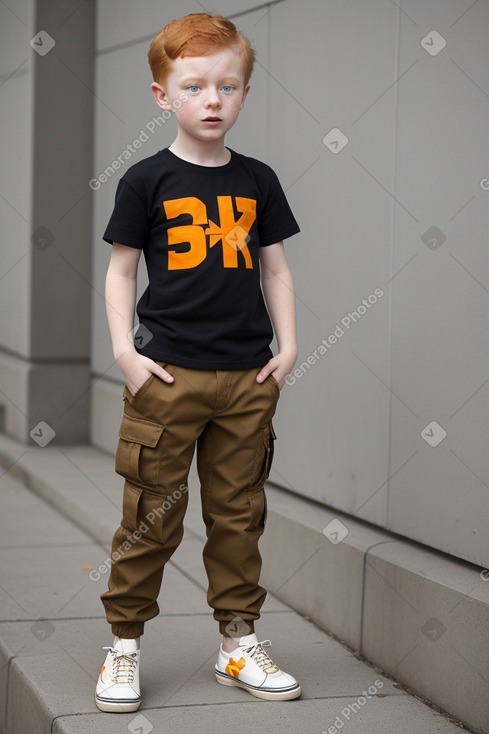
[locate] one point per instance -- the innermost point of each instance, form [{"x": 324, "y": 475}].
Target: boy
[{"x": 209, "y": 221}]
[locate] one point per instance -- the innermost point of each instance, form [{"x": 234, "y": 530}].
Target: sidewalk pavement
[{"x": 60, "y": 506}]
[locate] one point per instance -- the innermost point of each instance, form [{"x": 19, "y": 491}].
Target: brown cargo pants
[{"x": 228, "y": 416}]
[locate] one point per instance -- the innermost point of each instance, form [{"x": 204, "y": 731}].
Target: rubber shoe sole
[
  {"x": 269, "y": 694},
  {"x": 117, "y": 707}
]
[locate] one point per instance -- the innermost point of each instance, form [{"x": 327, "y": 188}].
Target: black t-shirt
[{"x": 200, "y": 229}]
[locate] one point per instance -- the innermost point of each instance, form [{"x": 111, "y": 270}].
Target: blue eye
[
  {"x": 193, "y": 88},
  {"x": 227, "y": 88}
]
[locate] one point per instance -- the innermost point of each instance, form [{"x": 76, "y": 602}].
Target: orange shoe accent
[
  {"x": 101, "y": 671},
  {"x": 233, "y": 668}
]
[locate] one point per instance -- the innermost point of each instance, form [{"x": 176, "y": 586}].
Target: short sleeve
[
  {"x": 276, "y": 221},
  {"x": 128, "y": 223}
]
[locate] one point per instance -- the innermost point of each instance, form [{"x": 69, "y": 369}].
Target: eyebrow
[{"x": 198, "y": 80}]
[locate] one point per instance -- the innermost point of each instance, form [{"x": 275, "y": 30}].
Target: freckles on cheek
[{"x": 184, "y": 111}]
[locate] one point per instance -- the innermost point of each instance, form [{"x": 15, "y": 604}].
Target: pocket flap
[{"x": 140, "y": 431}]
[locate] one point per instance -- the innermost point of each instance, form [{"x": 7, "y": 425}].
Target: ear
[
  {"x": 161, "y": 96},
  {"x": 245, "y": 94}
]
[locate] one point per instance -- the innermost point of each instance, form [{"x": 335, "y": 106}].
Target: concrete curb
[{"x": 418, "y": 614}]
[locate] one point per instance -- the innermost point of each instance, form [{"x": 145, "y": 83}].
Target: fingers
[
  {"x": 166, "y": 376},
  {"x": 162, "y": 373},
  {"x": 265, "y": 371},
  {"x": 262, "y": 375}
]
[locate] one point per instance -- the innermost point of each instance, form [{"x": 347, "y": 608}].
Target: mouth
[{"x": 212, "y": 119}]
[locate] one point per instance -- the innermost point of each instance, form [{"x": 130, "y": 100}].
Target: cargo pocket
[
  {"x": 264, "y": 457},
  {"x": 142, "y": 513},
  {"x": 256, "y": 496},
  {"x": 130, "y": 505},
  {"x": 137, "y": 458},
  {"x": 258, "y": 510}
]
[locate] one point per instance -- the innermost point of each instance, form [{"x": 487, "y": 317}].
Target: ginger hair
[{"x": 197, "y": 34}]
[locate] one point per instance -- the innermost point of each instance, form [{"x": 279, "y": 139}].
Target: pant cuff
[
  {"x": 248, "y": 629},
  {"x": 127, "y": 630}
]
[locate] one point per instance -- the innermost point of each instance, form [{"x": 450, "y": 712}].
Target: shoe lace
[
  {"x": 262, "y": 658},
  {"x": 124, "y": 665}
]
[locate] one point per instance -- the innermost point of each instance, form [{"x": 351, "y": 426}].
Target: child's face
[{"x": 213, "y": 89}]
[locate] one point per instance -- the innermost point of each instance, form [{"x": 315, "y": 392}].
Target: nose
[{"x": 212, "y": 98}]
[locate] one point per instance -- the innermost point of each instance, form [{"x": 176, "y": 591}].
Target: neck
[{"x": 212, "y": 153}]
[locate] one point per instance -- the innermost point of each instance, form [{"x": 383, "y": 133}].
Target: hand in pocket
[{"x": 137, "y": 369}]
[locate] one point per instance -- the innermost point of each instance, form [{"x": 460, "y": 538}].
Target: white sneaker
[
  {"x": 251, "y": 668},
  {"x": 118, "y": 683}
]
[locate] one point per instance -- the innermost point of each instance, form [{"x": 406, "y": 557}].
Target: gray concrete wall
[
  {"x": 16, "y": 166},
  {"x": 46, "y": 96},
  {"x": 399, "y": 211},
  {"x": 416, "y": 129}
]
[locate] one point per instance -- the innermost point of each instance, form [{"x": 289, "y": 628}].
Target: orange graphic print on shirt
[
  {"x": 232, "y": 233},
  {"x": 233, "y": 668}
]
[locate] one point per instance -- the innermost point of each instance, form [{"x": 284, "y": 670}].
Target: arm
[
  {"x": 278, "y": 289},
  {"x": 120, "y": 300}
]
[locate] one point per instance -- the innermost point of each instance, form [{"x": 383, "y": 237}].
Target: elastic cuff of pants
[
  {"x": 224, "y": 628},
  {"x": 127, "y": 630}
]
